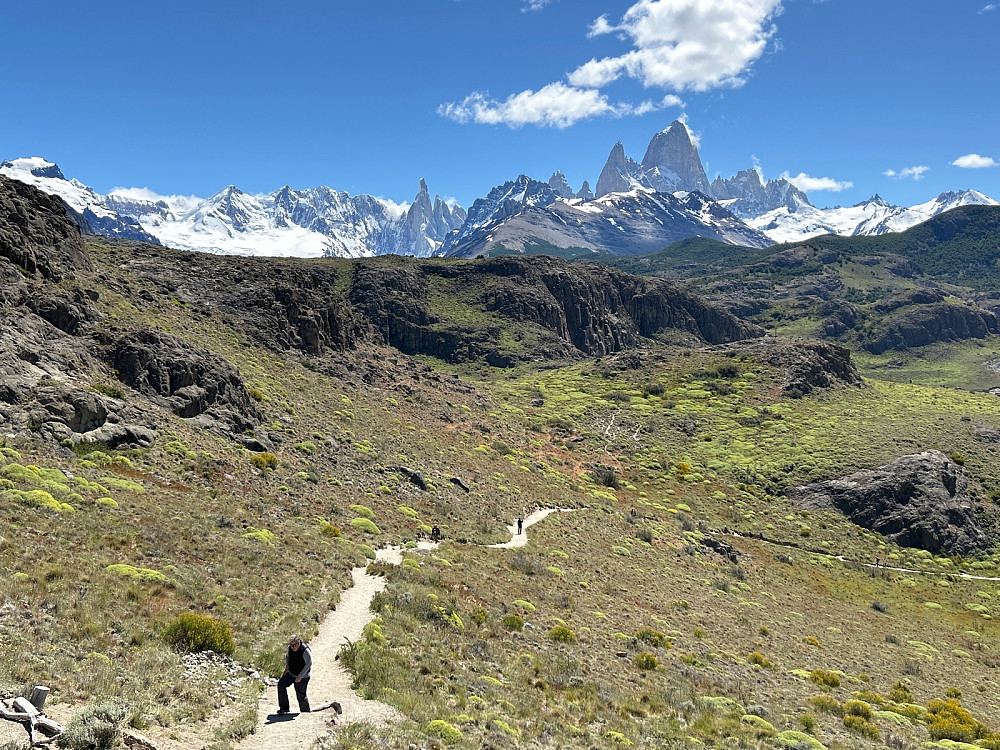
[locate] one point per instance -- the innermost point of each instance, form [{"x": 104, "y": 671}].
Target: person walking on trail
[
  {"x": 520, "y": 526},
  {"x": 435, "y": 534},
  {"x": 298, "y": 664}
]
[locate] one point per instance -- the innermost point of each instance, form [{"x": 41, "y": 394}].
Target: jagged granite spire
[
  {"x": 620, "y": 173},
  {"x": 585, "y": 192},
  {"x": 672, "y": 162},
  {"x": 559, "y": 185}
]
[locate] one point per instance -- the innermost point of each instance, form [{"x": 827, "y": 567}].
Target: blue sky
[{"x": 855, "y": 96}]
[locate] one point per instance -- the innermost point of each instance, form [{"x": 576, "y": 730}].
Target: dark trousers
[{"x": 300, "y": 692}]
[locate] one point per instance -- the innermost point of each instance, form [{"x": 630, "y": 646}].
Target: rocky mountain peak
[
  {"x": 560, "y": 186},
  {"x": 36, "y": 166},
  {"x": 620, "y": 173},
  {"x": 585, "y": 193},
  {"x": 672, "y": 161}
]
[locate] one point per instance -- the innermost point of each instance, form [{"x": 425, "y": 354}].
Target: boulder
[{"x": 921, "y": 500}]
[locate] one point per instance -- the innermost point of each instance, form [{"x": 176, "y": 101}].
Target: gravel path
[
  {"x": 520, "y": 540},
  {"x": 330, "y": 681}
]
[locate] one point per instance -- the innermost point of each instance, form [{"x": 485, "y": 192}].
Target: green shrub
[
  {"x": 407, "y": 511},
  {"x": 137, "y": 574},
  {"x": 264, "y": 461},
  {"x": 861, "y": 725},
  {"x": 827, "y": 704},
  {"x": 306, "y": 446},
  {"x": 653, "y": 638},
  {"x": 18, "y": 474},
  {"x": 760, "y": 727},
  {"x": 858, "y": 708},
  {"x": 562, "y": 634},
  {"x": 264, "y": 536},
  {"x": 645, "y": 661},
  {"x": 824, "y": 678},
  {"x": 798, "y": 741},
  {"x": 947, "y": 720},
  {"x": 365, "y": 525},
  {"x": 122, "y": 484},
  {"x": 513, "y": 622},
  {"x": 194, "y": 632},
  {"x": 869, "y": 697},
  {"x": 760, "y": 660},
  {"x": 900, "y": 694},
  {"x": 94, "y": 728},
  {"x": 444, "y": 731},
  {"x": 364, "y": 511}
]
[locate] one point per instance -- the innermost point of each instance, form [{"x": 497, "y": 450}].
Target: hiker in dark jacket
[{"x": 298, "y": 663}]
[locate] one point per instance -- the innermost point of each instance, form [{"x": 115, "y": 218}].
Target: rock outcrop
[
  {"x": 37, "y": 235},
  {"x": 921, "y": 500},
  {"x": 188, "y": 380},
  {"x": 809, "y": 365},
  {"x": 934, "y": 322}
]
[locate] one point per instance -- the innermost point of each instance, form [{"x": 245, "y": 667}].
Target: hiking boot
[
  {"x": 282, "y": 711},
  {"x": 337, "y": 708}
]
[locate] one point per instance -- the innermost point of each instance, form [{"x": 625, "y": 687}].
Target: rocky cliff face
[
  {"x": 934, "y": 322},
  {"x": 573, "y": 309},
  {"x": 921, "y": 501},
  {"x": 50, "y": 359},
  {"x": 36, "y": 234}
]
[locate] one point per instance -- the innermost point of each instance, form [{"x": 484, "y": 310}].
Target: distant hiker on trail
[
  {"x": 520, "y": 526},
  {"x": 435, "y": 534},
  {"x": 298, "y": 663}
]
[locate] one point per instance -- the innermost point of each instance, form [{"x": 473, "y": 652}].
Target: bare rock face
[
  {"x": 934, "y": 322},
  {"x": 37, "y": 234},
  {"x": 921, "y": 500},
  {"x": 186, "y": 379}
]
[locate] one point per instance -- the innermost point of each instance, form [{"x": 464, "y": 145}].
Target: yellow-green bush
[
  {"x": 192, "y": 632},
  {"x": 444, "y": 731},
  {"x": 364, "y": 511},
  {"x": 858, "y": 708},
  {"x": 137, "y": 574},
  {"x": 365, "y": 525},
  {"x": 562, "y": 634},
  {"x": 760, "y": 660},
  {"x": 264, "y": 461},
  {"x": 645, "y": 661},
  {"x": 513, "y": 622},
  {"x": 947, "y": 720},
  {"x": 823, "y": 678},
  {"x": 861, "y": 725}
]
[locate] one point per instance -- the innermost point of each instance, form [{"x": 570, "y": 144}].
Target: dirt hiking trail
[{"x": 330, "y": 681}]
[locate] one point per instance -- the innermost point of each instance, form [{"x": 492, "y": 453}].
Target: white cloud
[
  {"x": 677, "y": 45},
  {"x": 814, "y": 184},
  {"x": 684, "y": 44},
  {"x": 916, "y": 172},
  {"x": 600, "y": 26},
  {"x": 556, "y": 105},
  {"x": 988, "y": 7},
  {"x": 975, "y": 161}
]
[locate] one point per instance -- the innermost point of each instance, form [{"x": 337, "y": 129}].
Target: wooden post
[{"x": 38, "y": 696}]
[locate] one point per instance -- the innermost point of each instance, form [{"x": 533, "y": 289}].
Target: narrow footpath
[{"x": 330, "y": 681}]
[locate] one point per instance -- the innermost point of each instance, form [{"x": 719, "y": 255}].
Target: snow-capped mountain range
[
  {"x": 665, "y": 197},
  {"x": 870, "y": 217},
  {"x": 319, "y": 222},
  {"x": 527, "y": 214}
]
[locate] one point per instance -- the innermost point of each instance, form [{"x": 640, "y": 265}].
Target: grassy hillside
[{"x": 610, "y": 629}]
